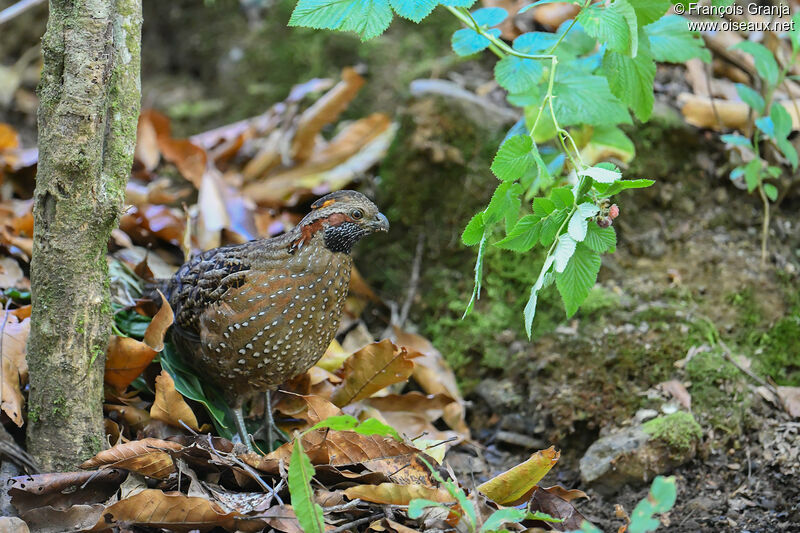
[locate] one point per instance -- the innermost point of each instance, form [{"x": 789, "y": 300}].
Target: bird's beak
[{"x": 381, "y": 223}]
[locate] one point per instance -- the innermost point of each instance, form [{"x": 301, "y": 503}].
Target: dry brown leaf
[
  {"x": 677, "y": 390},
  {"x": 790, "y": 397},
  {"x": 323, "y": 112},
  {"x": 334, "y": 357},
  {"x": 514, "y": 483},
  {"x": 553, "y": 15},
  {"x": 190, "y": 159},
  {"x": 154, "y": 334},
  {"x": 133, "y": 417},
  {"x": 413, "y": 401},
  {"x": 171, "y": 510},
  {"x": 386, "y": 524},
  {"x": 394, "y": 494},
  {"x": 10, "y": 273},
  {"x": 147, "y": 151},
  {"x": 721, "y": 114},
  {"x": 282, "y": 518},
  {"x": 126, "y": 359},
  {"x": 15, "y": 366},
  {"x": 63, "y": 489},
  {"x": 550, "y": 501},
  {"x": 146, "y": 456},
  {"x": 9, "y": 139},
  {"x": 371, "y": 369},
  {"x": 435, "y": 376},
  {"x": 169, "y": 406},
  {"x": 142, "y": 223},
  {"x": 22, "y": 312}
]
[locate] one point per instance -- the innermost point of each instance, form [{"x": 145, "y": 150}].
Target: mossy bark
[{"x": 89, "y": 104}]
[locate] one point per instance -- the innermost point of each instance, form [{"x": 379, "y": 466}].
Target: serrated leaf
[
  {"x": 564, "y": 250},
  {"x": 578, "y": 277},
  {"x": 578, "y": 224},
  {"x": 631, "y": 79},
  {"x": 458, "y": 3},
  {"x": 505, "y": 204},
  {"x": 524, "y": 235},
  {"x": 751, "y": 97},
  {"x": 562, "y": 197},
  {"x": 466, "y": 42},
  {"x": 606, "y": 142},
  {"x": 518, "y": 74},
  {"x": 610, "y": 25},
  {"x": 530, "y": 307},
  {"x": 606, "y": 191},
  {"x": 415, "y": 10},
  {"x": 648, "y": 11},
  {"x": 672, "y": 42},
  {"x": 599, "y": 239},
  {"x": 476, "y": 289},
  {"x": 367, "y": 18},
  {"x": 308, "y": 512},
  {"x": 550, "y": 226},
  {"x": 765, "y": 63},
  {"x": 489, "y": 16},
  {"x": 543, "y": 206},
  {"x": 601, "y": 175},
  {"x": 582, "y": 98},
  {"x": 514, "y": 158},
  {"x": 473, "y": 233}
]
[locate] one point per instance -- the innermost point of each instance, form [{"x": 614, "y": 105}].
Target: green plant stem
[{"x": 764, "y": 225}]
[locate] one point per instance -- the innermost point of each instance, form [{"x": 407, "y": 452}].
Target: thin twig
[
  {"x": 17, "y": 9},
  {"x": 342, "y": 507},
  {"x": 413, "y": 283},
  {"x": 358, "y": 522},
  {"x": 726, "y": 352},
  {"x": 249, "y": 470}
]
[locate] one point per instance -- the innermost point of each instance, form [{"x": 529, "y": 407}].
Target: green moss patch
[{"x": 679, "y": 430}]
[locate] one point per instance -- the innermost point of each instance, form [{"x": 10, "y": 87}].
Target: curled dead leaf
[
  {"x": 126, "y": 359},
  {"x": 371, "y": 369},
  {"x": 512, "y": 484},
  {"x": 395, "y": 494},
  {"x": 154, "y": 334},
  {"x": 146, "y": 457},
  {"x": 15, "y": 366},
  {"x": 170, "y": 407},
  {"x": 170, "y": 510}
]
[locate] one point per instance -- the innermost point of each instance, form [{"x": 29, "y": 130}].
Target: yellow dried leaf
[
  {"x": 371, "y": 369},
  {"x": 512, "y": 484},
  {"x": 169, "y": 406},
  {"x": 395, "y": 494}
]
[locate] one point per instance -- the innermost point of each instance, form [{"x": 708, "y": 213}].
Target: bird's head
[{"x": 344, "y": 217}]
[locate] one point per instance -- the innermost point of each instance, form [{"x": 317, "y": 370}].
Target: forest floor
[{"x": 683, "y": 296}]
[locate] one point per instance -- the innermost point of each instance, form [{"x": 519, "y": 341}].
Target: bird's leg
[
  {"x": 269, "y": 423},
  {"x": 238, "y": 416}
]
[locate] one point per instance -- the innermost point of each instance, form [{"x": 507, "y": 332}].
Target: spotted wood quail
[{"x": 250, "y": 316}]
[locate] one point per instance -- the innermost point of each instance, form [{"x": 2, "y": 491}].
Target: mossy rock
[{"x": 679, "y": 431}]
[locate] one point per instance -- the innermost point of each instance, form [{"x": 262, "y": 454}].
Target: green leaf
[
  {"x": 502, "y": 516},
  {"x": 631, "y": 79},
  {"x": 418, "y": 505},
  {"x": 473, "y": 233},
  {"x": 476, "y": 288},
  {"x": 530, "y": 307},
  {"x": 766, "y": 125},
  {"x": 648, "y": 11},
  {"x": 609, "y": 140},
  {"x": 518, "y": 74},
  {"x": 606, "y": 191},
  {"x": 308, "y": 512},
  {"x": 370, "y": 426},
  {"x": 466, "y": 42},
  {"x": 550, "y": 226},
  {"x": 563, "y": 252},
  {"x": 415, "y": 10},
  {"x": 514, "y": 158},
  {"x": 771, "y": 191},
  {"x": 524, "y": 235},
  {"x": 562, "y": 197},
  {"x": 505, "y": 204},
  {"x": 613, "y": 25},
  {"x": 578, "y": 224},
  {"x": 601, "y": 175},
  {"x": 766, "y": 66},
  {"x": 661, "y": 499},
  {"x": 543, "y": 206},
  {"x": 672, "y": 42},
  {"x": 458, "y": 3},
  {"x": 489, "y": 16},
  {"x": 736, "y": 140},
  {"x": 188, "y": 384},
  {"x": 578, "y": 277},
  {"x": 751, "y": 97},
  {"x": 582, "y": 98},
  {"x": 367, "y": 18},
  {"x": 599, "y": 239},
  {"x": 752, "y": 174},
  {"x": 542, "y": 2},
  {"x": 782, "y": 122}
]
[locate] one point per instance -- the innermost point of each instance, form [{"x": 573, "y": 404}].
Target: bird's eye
[{"x": 357, "y": 214}]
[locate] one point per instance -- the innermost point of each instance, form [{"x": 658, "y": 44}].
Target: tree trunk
[{"x": 90, "y": 95}]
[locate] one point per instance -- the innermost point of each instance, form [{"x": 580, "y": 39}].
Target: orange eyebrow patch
[{"x": 328, "y": 202}]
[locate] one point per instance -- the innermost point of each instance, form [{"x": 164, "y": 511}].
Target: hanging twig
[{"x": 17, "y": 9}]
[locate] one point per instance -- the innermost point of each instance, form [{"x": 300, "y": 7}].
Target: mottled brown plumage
[{"x": 251, "y": 316}]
